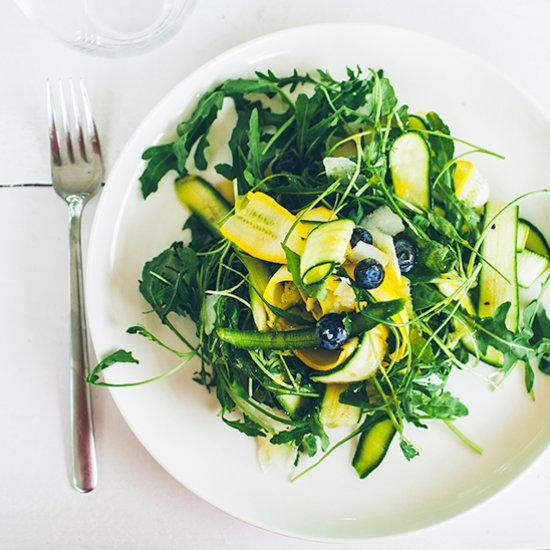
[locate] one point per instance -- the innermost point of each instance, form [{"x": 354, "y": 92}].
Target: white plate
[{"x": 176, "y": 419}]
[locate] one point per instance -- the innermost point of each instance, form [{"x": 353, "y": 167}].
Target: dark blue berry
[
  {"x": 406, "y": 254},
  {"x": 331, "y": 331},
  {"x": 360, "y": 234},
  {"x": 368, "y": 274},
  {"x": 288, "y": 162}
]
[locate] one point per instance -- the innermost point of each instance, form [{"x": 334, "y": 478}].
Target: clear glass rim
[{"x": 135, "y": 44}]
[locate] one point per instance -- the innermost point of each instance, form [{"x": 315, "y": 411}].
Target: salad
[{"x": 346, "y": 261}]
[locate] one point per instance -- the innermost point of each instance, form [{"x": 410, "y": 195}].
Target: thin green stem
[
  {"x": 474, "y": 446},
  {"x": 327, "y": 454}
]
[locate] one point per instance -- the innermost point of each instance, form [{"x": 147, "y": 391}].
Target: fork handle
[{"x": 84, "y": 468}]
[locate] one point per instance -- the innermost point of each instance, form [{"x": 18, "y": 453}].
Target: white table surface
[{"x": 137, "y": 505}]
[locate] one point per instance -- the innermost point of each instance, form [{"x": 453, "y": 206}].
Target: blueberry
[
  {"x": 331, "y": 331},
  {"x": 287, "y": 162},
  {"x": 360, "y": 234},
  {"x": 406, "y": 254},
  {"x": 369, "y": 274}
]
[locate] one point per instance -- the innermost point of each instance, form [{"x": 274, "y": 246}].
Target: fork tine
[
  {"x": 65, "y": 122},
  {"x": 78, "y": 121},
  {"x": 90, "y": 123},
  {"x": 54, "y": 137}
]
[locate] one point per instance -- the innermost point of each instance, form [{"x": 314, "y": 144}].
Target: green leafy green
[
  {"x": 317, "y": 290},
  {"x": 245, "y": 426},
  {"x": 442, "y": 406},
  {"x": 434, "y": 259},
  {"x": 255, "y": 153},
  {"x": 493, "y": 331},
  {"x": 408, "y": 449},
  {"x": 381, "y": 101},
  {"x": 196, "y": 127},
  {"x": 169, "y": 283},
  {"x": 286, "y": 127},
  {"x": 306, "y": 436},
  {"x": 536, "y": 330},
  {"x": 160, "y": 160},
  {"x": 118, "y": 356}
]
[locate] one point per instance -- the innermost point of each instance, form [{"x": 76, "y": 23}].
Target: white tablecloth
[{"x": 137, "y": 505}]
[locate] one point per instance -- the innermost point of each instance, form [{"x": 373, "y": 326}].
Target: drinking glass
[{"x": 110, "y": 27}]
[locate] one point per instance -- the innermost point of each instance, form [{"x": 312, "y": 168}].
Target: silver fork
[{"x": 77, "y": 173}]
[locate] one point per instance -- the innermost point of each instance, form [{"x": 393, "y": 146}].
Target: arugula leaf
[
  {"x": 442, "y": 147},
  {"x": 245, "y": 426},
  {"x": 142, "y": 331},
  {"x": 357, "y": 394},
  {"x": 160, "y": 160},
  {"x": 246, "y": 86},
  {"x": 464, "y": 218},
  {"x": 317, "y": 290},
  {"x": 421, "y": 348},
  {"x": 238, "y": 144},
  {"x": 443, "y": 406},
  {"x": 200, "y": 153},
  {"x": 444, "y": 227},
  {"x": 528, "y": 377},
  {"x": 118, "y": 356},
  {"x": 408, "y": 449},
  {"x": 304, "y": 435},
  {"x": 306, "y": 108},
  {"x": 255, "y": 154},
  {"x": 190, "y": 130},
  {"x": 292, "y": 81},
  {"x": 388, "y": 100},
  {"x": 434, "y": 259},
  {"x": 169, "y": 283},
  {"x": 537, "y": 330},
  {"x": 201, "y": 235},
  {"x": 381, "y": 101},
  {"x": 225, "y": 170},
  {"x": 493, "y": 331}
]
